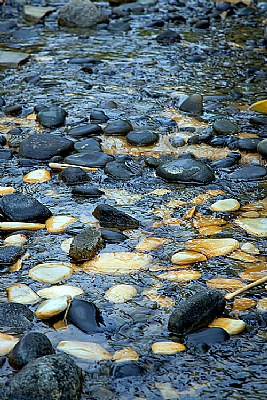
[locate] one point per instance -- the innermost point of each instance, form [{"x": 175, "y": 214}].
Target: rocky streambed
[{"x": 133, "y": 199}]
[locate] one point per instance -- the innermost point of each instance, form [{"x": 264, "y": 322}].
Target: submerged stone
[
  {"x": 87, "y": 190},
  {"x": 10, "y": 59},
  {"x": 168, "y": 37},
  {"x": 110, "y": 217},
  {"x": 86, "y": 244},
  {"x": 112, "y": 236},
  {"x": 92, "y": 159},
  {"x": 207, "y": 336}
]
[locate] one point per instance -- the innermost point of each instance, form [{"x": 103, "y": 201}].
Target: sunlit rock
[
  {"x": 50, "y": 272},
  {"x": 6, "y": 190},
  {"x": 225, "y": 283},
  {"x": 120, "y": 293},
  {"x": 85, "y": 350},
  {"x": 255, "y": 272},
  {"x": 65, "y": 245},
  {"x": 7, "y": 342},
  {"x": 225, "y": 205},
  {"x": 50, "y": 308},
  {"x": 150, "y": 244},
  {"x": 187, "y": 257},
  {"x": 232, "y": 326},
  {"x": 242, "y": 256},
  {"x": 180, "y": 276},
  {"x": 17, "y": 226},
  {"x": 21, "y": 293},
  {"x": 243, "y": 304},
  {"x": 37, "y": 176},
  {"x": 255, "y": 226},
  {"x": 162, "y": 301},
  {"x": 260, "y": 106},
  {"x": 125, "y": 354},
  {"x": 167, "y": 347},
  {"x": 250, "y": 248},
  {"x": 60, "y": 290},
  {"x": 213, "y": 247},
  {"x": 262, "y": 304},
  {"x": 15, "y": 240},
  {"x": 59, "y": 223}
]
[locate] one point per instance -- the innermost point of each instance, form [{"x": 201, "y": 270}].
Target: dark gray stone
[
  {"x": 142, "y": 138},
  {"x": 85, "y": 131},
  {"x": 21, "y": 208},
  {"x": 225, "y": 127},
  {"x": 110, "y": 217},
  {"x": 262, "y": 148},
  {"x": 13, "y": 110},
  {"x": 248, "y": 172},
  {"x": 85, "y": 316},
  {"x": 52, "y": 117},
  {"x": 126, "y": 369},
  {"x": 186, "y": 171},
  {"x": 15, "y": 316},
  {"x": 193, "y": 104},
  {"x": 92, "y": 159},
  {"x": 118, "y": 128},
  {"x": 208, "y": 336},
  {"x": 81, "y": 14},
  {"x": 168, "y": 37},
  {"x": 196, "y": 312},
  {"x": 5, "y": 155},
  {"x": 74, "y": 175},
  {"x": 177, "y": 141},
  {"x": 119, "y": 170},
  {"x": 44, "y": 146},
  {"x": 9, "y": 255},
  {"x": 87, "y": 190},
  {"x": 248, "y": 144},
  {"x": 98, "y": 117},
  {"x": 87, "y": 145},
  {"x": 52, "y": 377},
  {"x": 31, "y": 346},
  {"x": 86, "y": 244},
  {"x": 112, "y": 236}
]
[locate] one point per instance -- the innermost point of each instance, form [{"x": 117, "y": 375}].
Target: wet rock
[
  {"x": 74, "y": 175},
  {"x": 119, "y": 26},
  {"x": 218, "y": 142},
  {"x": 168, "y": 37},
  {"x": 85, "y": 131},
  {"x": 13, "y": 110},
  {"x": 262, "y": 148},
  {"x": 258, "y": 120},
  {"x": 86, "y": 244},
  {"x": 9, "y": 255},
  {"x": 248, "y": 144},
  {"x": 142, "y": 138},
  {"x": 52, "y": 117},
  {"x": 207, "y": 336},
  {"x": 126, "y": 369},
  {"x": 227, "y": 162},
  {"x": 87, "y": 68},
  {"x": 85, "y": 316},
  {"x": 87, "y": 190},
  {"x": 225, "y": 127},
  {"x": 21, "y": 208},
  {"x": 92, "y": 159},
  {"x": 118, "y": 128},
  {"x": 193, "y": 104},
  {"x": 177, "y": 141},
  {"x": 112, "y": 236},
  {"x": 81, "y": 14},
  {"x": 186, "y": 171},
  {"x": 11, "y": 59},
  {"x": 5, "y": 154},
  {"x": 31, "y": 346},
  {"x": 2, "y": 102},
  {"x": 46, "y": 378},
  {"x": 153, "y": 162},
  {"x": 44, "y": 146},
  {"x": 36, "y": 14},
  {"x": 203, "y": 24},
  {"x": 2, "y": 140},
  {"x": 8, "y": 25},
  {"x": 15, "y": 316},
  {"x": 196, "y": 312},
  {"x": 110, "y": 217},
  {"x": 98, "y": 117},
  {"x": 120, "y": 170},
  {"x": 248, "y": 173},
  {"x": 87, "y": 145},
  {"x": 110, "y": 104}
]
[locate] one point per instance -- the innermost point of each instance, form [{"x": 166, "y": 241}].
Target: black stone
[
  {"x": 168, "y": 37},
  {"x": 74, "y": 175},
  {"x": 44, "y": 146},
  {"x": 112, "y": 236},
  {"x": 110, "y": 217},
  {"x": 98, "y": 117},
  {"x": 9, "y": 255},
  {"x": 118, "y": 128},
  {"x": 2, "y": 102},
  {"x": 203, "y": 24},
  {"x": 85, "y": 131},
  {"x": 21, "y": 208},
  {"x": 248, "y": 144},
  {"x": 79, "y": 61},
  {"x": 258, "y": 120},
  {"x": 218, "y": 142},
  {"x": 87, "y": 68},
  {"x": 85, "y": 316},
  {"x": 15, "y": 316},
  {"x": 226, "y": 162},
  {"x": 142, "y": 138},
  {"x": 225, "y": 127},
  {"x": 13, "y": 110},
  {"x": 126, "y": 369},
  {"x": 31, "y": 346},
  {"x": 92, "y": 159},
  {"x": 193, "y": 104},
  {"x": 119, "y": 170},
  {"x": 109, "y": 104},
  {"x": 207, "y": 336},
  {"x": 87, "y": 190},
  {"x": 5, "y": 154},
  {"x": 46, "y": 378},
  {"x": 52, "y": 117},
  {"x": 2, "y": 140},
  {"x": 262, "y": 148},
  {"x": 87, "y": 145},
  {"x": 86, "y": 244},
  {"x": 248, "y": 172},
  {"x": 186, "y": 171},
  {"x": 196, "y": 312}
]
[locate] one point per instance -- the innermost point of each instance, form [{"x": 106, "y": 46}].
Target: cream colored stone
[
  {"x": 59, "y": 223},
  {"x": 254, "y": 226},
  {"x": 84, "y": 350},
  {"x": 7, "y": 342},
  {"x": 21, "y": 293},
  {"x": 125, "y": 354},
  {"x": 242, "y": 256},
  {"x": 65, "y": 245},
  {"x": 120, "y": 293},
  {"x": 162, "y": 301},
  {"x": 225, "y": 283},
  {"x": 60, "y": 290},
  {"x": 232, "y": 326},
  {"x": 262, "y": 304},
  {"x": 180, "y": 276},
  {"x": 49, "y": 308},
  {"x": 6, "y": 190},
  {"x": 250, "y": 248},
  {"x": 50, "y": 272},
  {"x": 187, "y": 257},
  {"x": 37, "y": 176},
  {"x": 254, "y": 273},
  {"x": 167, "y": 347},
  {"x": 225, "y": 205},
  {"x": 117, "y": 263},
  {"x": 210, "y": 230},
  {"x": 17, "y": 226},
  {"x": 213, "y": 247},
  {"x": 15, "y": 240},
  {"x": 151, "y": 243}
]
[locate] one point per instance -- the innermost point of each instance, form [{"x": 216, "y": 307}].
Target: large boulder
[{"x": 80, "y": 14}]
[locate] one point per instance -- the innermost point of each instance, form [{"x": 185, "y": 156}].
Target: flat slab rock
[
  {"x": 12, "y": 59},
  {"x": 248, "y": 173},
  {"x": 35, "y": 14},
  {"x": 44, "y": 146},
  {"x": 110, "y": 217},
  {"x": 92, "y": 159}
]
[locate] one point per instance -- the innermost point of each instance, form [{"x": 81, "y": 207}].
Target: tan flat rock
[
  {"x": 60, "y": 290},
  {"x": 15, "y": 240},
  {"x": 7, "y": 342},
  {"x": 262, "y": 304},
  {"x": 255, "y": 226},
  {"x": 187, "y": 257},
  {"x": 242, "y": 256},
  {"x": 37, "y": 176},
  {"x": 232, "y": 326},
  {"x": 167, "y": 347},
  {"x": 180, "y": 276},
  {"x": 151, "y": 243},
  {"x": 210, "y": 230},
  {"x": 6, "y": 190},
  {"x": 250, "y": 248},
  {"x": 254, "y": 273},
  {"x": 84, "y": 350},
  {"x": 162, "y": 301},
  {"x": 50, "y": 272},
  {"x": 17, "y": 226},
  {"x": 225, "y": 283},
  {"x": 203, "y": 197},
  {"x": 59, "y": 223},
  {"x": 125, "y": 354},
  {"x": 225, "y": 205},
  {"x": 243, "y": 304},
  {"x": 21, "y": 293},
  {"x": 49, "y": 308},
  {"x": 120, "y": 293},
  {"x": 213, "y": 247}
]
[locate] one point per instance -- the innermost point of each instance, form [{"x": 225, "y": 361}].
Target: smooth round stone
[
  {"x": 119, "y": 170},
  {"x": 193, "y": 104},
  {"x": 248, "y": 173},
  {"x": 92, "y": 159},
  {"x": 31, "y": 346},
  {"x": 225, "y": 127},
  {"x": 86, "y": 316},
  {"x": 98, "y": 117},
  {"x": 112, "y": 236},
  {"x": 87, "y": 145},
  {"x": 110, "y": 104},
  {"x": 258, "y": 120},
  {"x": 186, "y": 171},
  {"x": 9, "y": 255},
  {"x": 262, "y": 148},
  {"x": 74, "y": 175},
  {"x": 217, "y": 142},
  {"x": 44, "y": 146},
  {"x": 52, "y": 117},
  {"x": 248, "y": 144},
  {"x": 208, "y": 336},
  {"x": 21, "y": 208},
  {"x": 16, "y": 316},
  {"x": 177, "y": 141},
  {"x": 87, "y": 190},
  {"x": 225, "y": 205},
  {"x": 142, "y": 138},
  {"x": 85, "y": 130},
  {"x": 226, "y": 162},
  {"x": 168, "y": 37},
  {"x": 13, "y": 110},
  {"x": 118, "y": 128}
]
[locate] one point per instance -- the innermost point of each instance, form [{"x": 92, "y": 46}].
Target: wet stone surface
[{"x": 187, "y": 73}]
